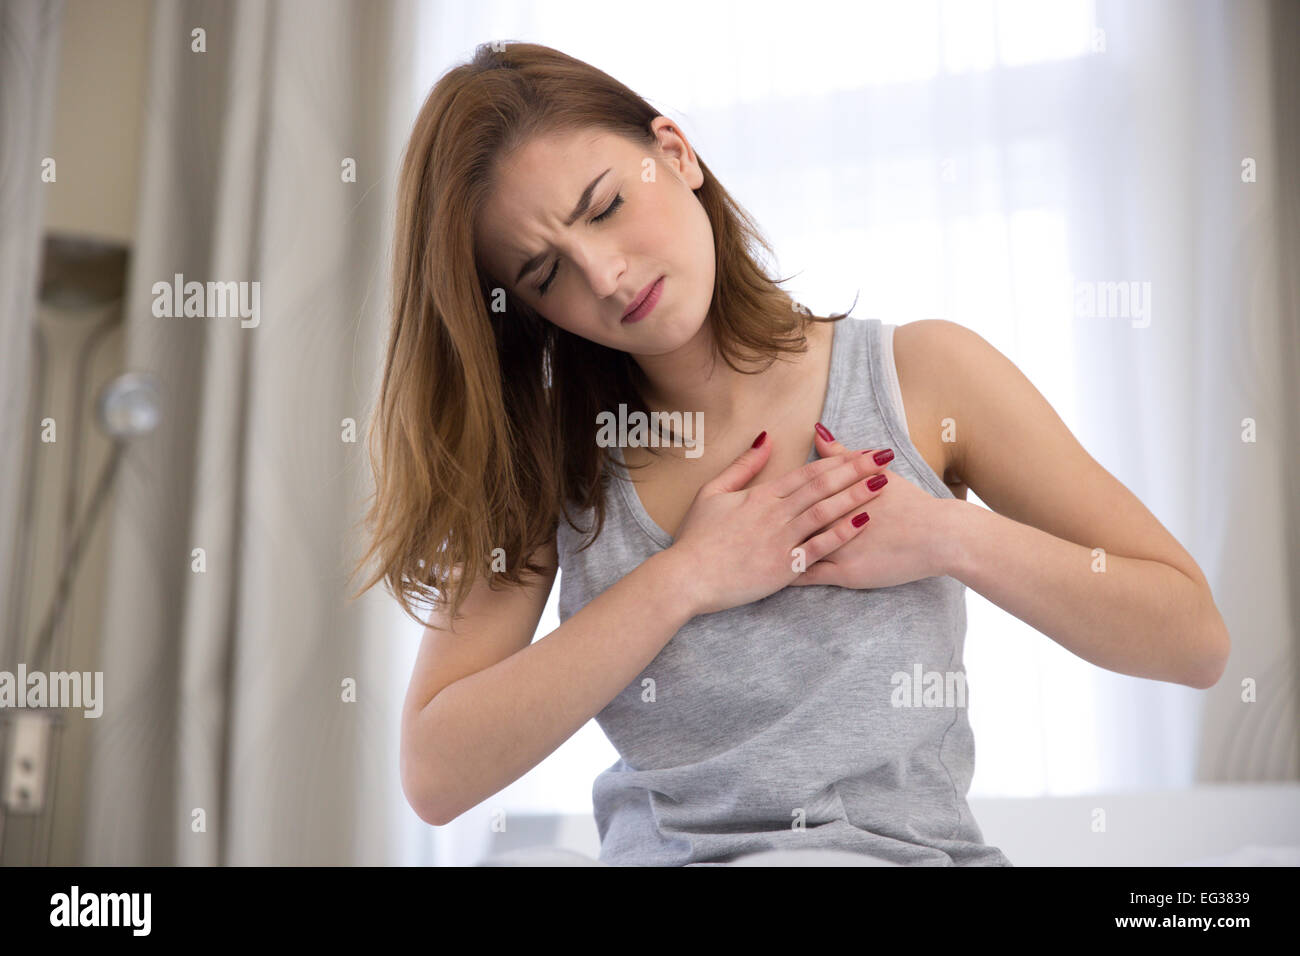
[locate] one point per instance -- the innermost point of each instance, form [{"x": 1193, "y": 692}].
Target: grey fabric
[
  {"x": 772, "y": 726},
  {"x": 559, "y": 856}
]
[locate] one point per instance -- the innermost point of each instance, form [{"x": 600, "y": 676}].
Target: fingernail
[
  {"x": 824, "y": 432},
  {"x": 759, "y": 440},
  {"x": 860, "y": 520},
  {"x": 876, "y": 482},
  {"x": 884, "y": 456}
]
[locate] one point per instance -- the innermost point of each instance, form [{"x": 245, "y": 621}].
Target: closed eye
[
  {"x": 618, "y": 201},
  {"x": 609, "y": 210}
]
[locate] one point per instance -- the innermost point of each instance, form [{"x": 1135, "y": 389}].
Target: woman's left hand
[{"x": 901, "y": 542}]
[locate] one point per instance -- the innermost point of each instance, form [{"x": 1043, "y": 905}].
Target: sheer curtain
[{"x": 1089, "y": 186}]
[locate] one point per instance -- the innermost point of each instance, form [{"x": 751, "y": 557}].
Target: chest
[{"x": 667, "y": 485}]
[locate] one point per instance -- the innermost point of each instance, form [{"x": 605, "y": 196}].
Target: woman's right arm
[
  {"x": 485, "y": 705},
  {"x": 487, "y": 729}
]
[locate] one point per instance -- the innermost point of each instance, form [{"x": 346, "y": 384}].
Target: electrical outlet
[{"x": 26, "y": 760}]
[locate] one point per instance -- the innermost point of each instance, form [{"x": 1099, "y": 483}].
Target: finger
[
  {"x": 748, "y": 464},
  {"x": 842, "y": 531},
  {"x": 847, "y": 469},
  {"x": 823, "y": 572},
  {"x": 792, "y": 481},
  {"x": 852, "y": 499},
  {"x": 828, "y": 445}
]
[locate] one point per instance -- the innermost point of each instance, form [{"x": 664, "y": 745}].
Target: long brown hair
[{"x": 483, "y": 432}]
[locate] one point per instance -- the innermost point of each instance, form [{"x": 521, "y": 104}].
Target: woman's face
[{"x": 638, "y": 220}]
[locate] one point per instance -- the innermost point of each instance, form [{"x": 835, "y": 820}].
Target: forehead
[
  {"x": 553, "y": 160},
  {"x": 539, "y": 183}
]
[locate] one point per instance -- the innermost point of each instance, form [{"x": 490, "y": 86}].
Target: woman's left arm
[{"x": 1067, "y": 548}]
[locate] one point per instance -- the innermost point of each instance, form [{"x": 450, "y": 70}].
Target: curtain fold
[
  {"x": 29, "y": 65},
  {"x": 249, "y": 717},
  {"x": 1178, "y": 197},
  {"x": 1251, "y": 723}
]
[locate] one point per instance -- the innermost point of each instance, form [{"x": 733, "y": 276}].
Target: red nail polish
[
  {"x": 759, "y": 440},
  {"x": 876, "y": 482},
  {"x": 882, "y": 457},
  {"x": 860, "y": 519},
  {"x": 824, "y": 432}
]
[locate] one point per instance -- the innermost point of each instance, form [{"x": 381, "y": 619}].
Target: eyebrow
[{"x": 584, "y": 203}]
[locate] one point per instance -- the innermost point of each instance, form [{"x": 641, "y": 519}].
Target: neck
[{"x": 692, "y": 379}]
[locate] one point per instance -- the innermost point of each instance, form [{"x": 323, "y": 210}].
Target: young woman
[{"x": 776, "y": 671}]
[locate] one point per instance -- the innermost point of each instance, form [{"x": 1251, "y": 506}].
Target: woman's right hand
[{"x": 739, "y": 543}]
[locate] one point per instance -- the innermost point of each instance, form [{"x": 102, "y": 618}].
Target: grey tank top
[{"x": 817, "y": 717}]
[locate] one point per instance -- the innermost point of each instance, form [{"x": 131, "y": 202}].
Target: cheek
[
  {"x": 696, "y": 239},
  {"x": 680, "y": 230}
]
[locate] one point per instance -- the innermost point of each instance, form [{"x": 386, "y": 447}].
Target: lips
[{"x": 636, "y": 309}]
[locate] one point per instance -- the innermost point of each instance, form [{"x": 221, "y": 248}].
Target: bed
[{"x": 1253, "y": 824}]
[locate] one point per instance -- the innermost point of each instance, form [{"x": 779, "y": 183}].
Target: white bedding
[
  {"x": 1255, "y": 824},
  {"x": 1253, "y": 856}
]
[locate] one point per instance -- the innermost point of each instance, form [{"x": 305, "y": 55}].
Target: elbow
[
  {"x": 427, "y": 809},
  {"x": 431, "y": 816},
  {"x": 420, "y": 796},
  {"x": 1206, "y": 679},
  {"x": 1214, "y": 662}
]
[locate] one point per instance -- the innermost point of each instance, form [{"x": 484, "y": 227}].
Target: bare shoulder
[{"x": 920, "y": 351}]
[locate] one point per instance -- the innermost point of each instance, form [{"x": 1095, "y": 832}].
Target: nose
[{"x": 604, "y": 269}]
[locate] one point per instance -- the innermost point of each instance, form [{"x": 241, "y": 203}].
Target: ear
[{"x": 678, "y": 153}]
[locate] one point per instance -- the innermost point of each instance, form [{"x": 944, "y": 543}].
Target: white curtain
[
  {"x": 29, "y": 63},
  {"x": 251, "y": 712},
  {"x": 995, "y": 163}
]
